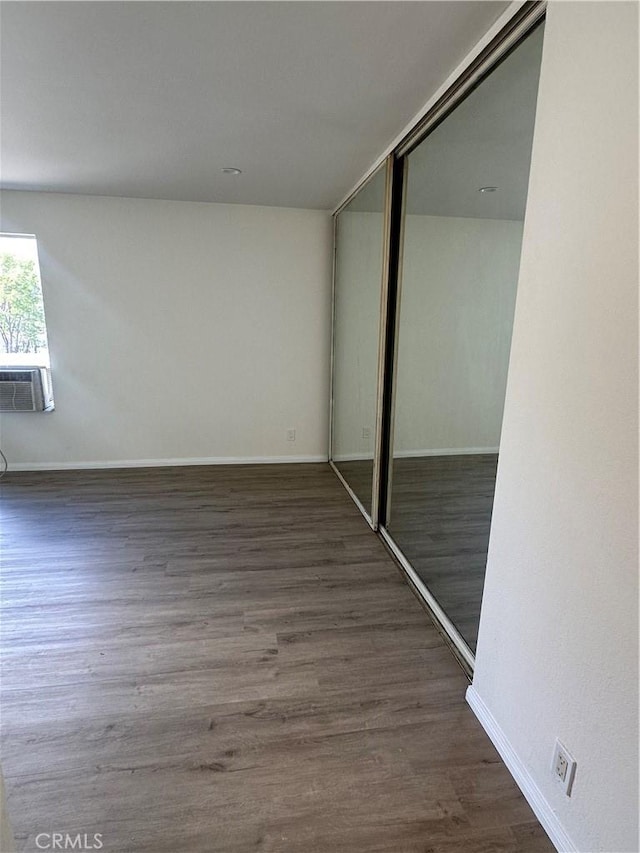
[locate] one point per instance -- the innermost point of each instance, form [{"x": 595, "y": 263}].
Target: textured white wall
[
  {"x": 177, "y": 330},
  {"x": 458, "y": 296},
  {"x": 558, "y": 646}
]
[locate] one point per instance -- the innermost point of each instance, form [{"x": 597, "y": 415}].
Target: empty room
[{"x": 319, "y": 426}]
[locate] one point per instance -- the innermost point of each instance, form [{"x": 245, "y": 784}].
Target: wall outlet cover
[{"x": 563, "y": 767}]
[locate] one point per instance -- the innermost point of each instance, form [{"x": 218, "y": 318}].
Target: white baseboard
[
  {"x": 445, "y": 451},
  {"x": 354, "y": 457},
  {"x": 414, "y": 454},
  {"x": 532, "y": 794},
  {"x": 163, "y": 463}
]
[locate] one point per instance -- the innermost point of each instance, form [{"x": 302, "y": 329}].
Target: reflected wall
[{"x": 359, "y": 247}]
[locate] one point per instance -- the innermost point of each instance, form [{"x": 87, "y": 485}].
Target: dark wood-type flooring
[
  {"x": 359, "y": 475},
  {"x": 440, "y": 518},
  {"x": 226, "y": 660}
]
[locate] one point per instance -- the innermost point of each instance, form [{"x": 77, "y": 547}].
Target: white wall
[
  {"x": 458, "y": 295},
  {"x": 459, "y": 278},
  {"x": 177, "y": 330},
  {"x": 558, "y": 646},
  {"x": 356, "y": 332}
]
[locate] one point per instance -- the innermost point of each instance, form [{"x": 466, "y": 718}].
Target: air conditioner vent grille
[
  {"x": 24, "y": 390},
  {"x": 16, "y": 396}
]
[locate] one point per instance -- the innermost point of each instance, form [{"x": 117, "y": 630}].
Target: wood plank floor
[
  {"x": 358, "y": 473},
  {"x": 225, "y": 660},
  {"x": 440, "y": 518}
]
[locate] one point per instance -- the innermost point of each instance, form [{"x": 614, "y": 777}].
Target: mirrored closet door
[
  {"x": 465, "y": 197},
  {"x": 357, "y": 323},
  {"x": 425, "y": 280}
]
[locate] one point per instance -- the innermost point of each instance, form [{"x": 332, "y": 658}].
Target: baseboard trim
[
  {"x": 532, "y": 794},
  {"x": 354, "y": 457},
  {"x": 163, "y": 463},
  {"x": 445, "y": 451},
  {"x": 411, "y": 454}
]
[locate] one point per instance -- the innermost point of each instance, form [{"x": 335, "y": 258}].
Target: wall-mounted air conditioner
[{"x": 25, "y": 389}]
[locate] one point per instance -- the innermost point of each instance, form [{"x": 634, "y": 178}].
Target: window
[{"x": 23, "y": 332}]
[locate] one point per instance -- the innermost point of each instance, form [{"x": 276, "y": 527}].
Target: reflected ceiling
[{"x": 486, "y": 141}]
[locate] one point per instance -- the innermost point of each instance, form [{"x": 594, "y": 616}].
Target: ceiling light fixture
[
  {"x": 488, "y": 189},
  {"x": 231, "y": 170}
]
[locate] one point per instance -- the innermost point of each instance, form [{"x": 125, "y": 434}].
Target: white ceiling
[
  {"x": 151, "y": 100},
  {"x": 486, "y": 141}
]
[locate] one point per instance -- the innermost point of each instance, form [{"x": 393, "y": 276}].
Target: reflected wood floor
[
  {"x": 225, "y": 660},
  {"x": 440, "y": 518},
  {"x": 359, "y": 475}
]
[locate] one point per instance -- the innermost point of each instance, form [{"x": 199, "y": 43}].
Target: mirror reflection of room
[
  {"x": 465, "y": 201},
  {"x": 358, "y": 277}
]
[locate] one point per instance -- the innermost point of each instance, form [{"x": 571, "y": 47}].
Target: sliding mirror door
[
  {"x": 359, "y": 250},
  {"x": 465, "y": 195}
]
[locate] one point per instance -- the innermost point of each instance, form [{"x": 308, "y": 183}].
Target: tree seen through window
[{"x": 23, "y": 334}]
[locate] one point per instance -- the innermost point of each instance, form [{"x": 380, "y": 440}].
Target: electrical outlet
[
  {"x": 366, "y": 433},
  {"x": 291, "y": 435},
  {"x": 563, "y": 767}
]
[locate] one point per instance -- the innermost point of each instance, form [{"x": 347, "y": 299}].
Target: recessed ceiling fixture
[
  {"x": 488, "y": 189},
  {"x": 231, "y": 170}
]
